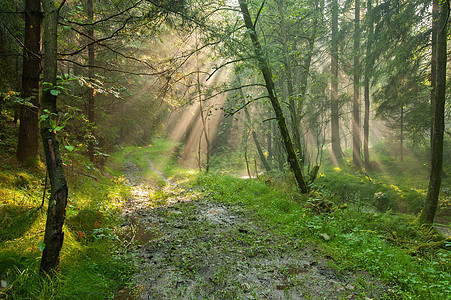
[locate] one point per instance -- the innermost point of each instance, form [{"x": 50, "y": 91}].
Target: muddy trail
[{"x": 191, "y": 246}]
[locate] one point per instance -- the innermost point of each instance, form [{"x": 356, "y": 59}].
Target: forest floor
[{"x": 188, "y": 246}]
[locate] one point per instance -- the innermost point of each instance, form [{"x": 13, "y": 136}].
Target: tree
[
  {"x": 334, "y": 107},
  {"x": 54, "y": 235},
  {"x": 254, "y": 134},
  {"x": 28, "y": 142},
  {"x": 269, "y": 84},
  {"x": 428, "y": 213},
  {"x": 368, "y": 70},
  {"x": 91, "y": 92},
  {"x": 356, "y": 141}
]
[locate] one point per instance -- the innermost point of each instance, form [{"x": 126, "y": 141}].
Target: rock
[
  {"x": 3, "y": 284},
  {"x": 325, "y": 236}
]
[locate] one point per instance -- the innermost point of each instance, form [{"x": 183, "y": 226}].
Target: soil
[{"x": 194, "y": 247}]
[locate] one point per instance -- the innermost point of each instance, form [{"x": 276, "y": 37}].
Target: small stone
[
  {"x": 3, "y": 284},
  {"x": 325, "y": 236}
]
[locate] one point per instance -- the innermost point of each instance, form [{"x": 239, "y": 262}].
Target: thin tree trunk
[
  {"x": 304, "y": 158},
  {"x": 279, "y": 148},
  {"x": 289, "y": 74},
  {"x": 368, "y": 71},
  {"x": 254, "y": 134},
  {"x": 56, "y": 212},
  {"x": 266, "y": 72},
  {"x": 270, "y": 141},
  {"x": 435, "y": 13},
  {"x": 247, "y": 161},
  {"x": 356, "y": 142},
  {"x": 202, "y": 116},
  {"x": 334, "y": 107},
  {"x": 257, "y": 143},
  {"x": 28, "y": 142},
  {"x": 427, "y": 215},
  {"x": 91, "y": 92},
  {"x": 401, "y": 138}
]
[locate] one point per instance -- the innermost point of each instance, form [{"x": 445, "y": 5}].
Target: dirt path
[{"x": 194, "y": 247}]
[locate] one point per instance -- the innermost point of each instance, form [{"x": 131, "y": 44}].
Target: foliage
[{"x": 94, "y": 262}]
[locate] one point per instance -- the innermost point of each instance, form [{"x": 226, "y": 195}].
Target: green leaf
[
  {"x": 69, "y": 148},
  {"x": 55, "y": 92},
  {"x": 52, "y": 123},
  {"x": 58, "y": 128},
  {"x": 41, "y": 245}
]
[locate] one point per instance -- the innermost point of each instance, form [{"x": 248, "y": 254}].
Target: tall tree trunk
[
  {"x": 401, "y": 138},
  {"x": 356, "y": 142},
  {"x": 202, "y": 116},
  {"x": 91, "y": 61},
  {"x": 427, "y": 215},
  {"x": 435, "y": 14},
  {"x": 56, "y": 212},
  {"x": 28, "y": 143},
  {"x": 305, "y": 75},
  {"x": 255, "y": 138},
  {"x": 334, "y": 107},
  {"x": 289, "y": 77},
  {"x": 368, "y": 71},
  {"x": 266, "y": 72},
  {"x": 279, "y": 148},
  {"x": 270, "y": 141}
]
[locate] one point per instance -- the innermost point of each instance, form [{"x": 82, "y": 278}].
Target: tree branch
[{"x": 106, "y": 19}]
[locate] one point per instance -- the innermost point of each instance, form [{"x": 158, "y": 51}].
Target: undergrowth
[
  {"x": 413, "y": 264},
  {"x": 94, "y": 262}
]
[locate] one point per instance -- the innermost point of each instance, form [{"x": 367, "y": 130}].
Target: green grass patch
[
  {"x": 94, "y": 263},
  {"x": 383, "y": 244}
]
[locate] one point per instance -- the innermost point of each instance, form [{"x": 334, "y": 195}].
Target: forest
[{"x": 225, "y": 149}]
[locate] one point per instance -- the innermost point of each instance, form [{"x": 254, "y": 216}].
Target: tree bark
[
  {"x": 56, "y": 212},
  {"x": 202, "y": 116},
  {"x": 356, "y": 142},
  {"x": 427, "y": 215},
  {"x": 266, "y": 72},
  {"x": 435, "y": 13},
  {"x": 334, "y": 107},
  {"x": 289, "y": 74},
  {"x": 254, "y": 134},
  {"x": 401, "y": 137},
  {"x": 91, "y": 92},
  {"x": 28, "y": 142},
  {"x": 368, "y": 71}
]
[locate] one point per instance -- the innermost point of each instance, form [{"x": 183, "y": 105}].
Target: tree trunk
[
  {"x": 270, "y": 141},
  {"x": 202, "y": 116},
  {"x": 257, "y": 143},
  {"x": 266, "y": 72},
  {"x": 435, "y": 13},
  {"x": 28, "y": 143},
  {"x": 254, "y": 134},
  {"x": 401, "y": 138},
  {"x": 356, "y": 142},
  {"x": 368, "y": 71},
  {"x": 91, "y": 62},
  {"x": 56, "y": 212},
  {"x": 289, "y": 76},
  {"x": 334, "y": 107},
  {"x": 427, "y": 215}
]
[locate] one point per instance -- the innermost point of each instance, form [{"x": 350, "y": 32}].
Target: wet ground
[{"x": 193, "y": 247}]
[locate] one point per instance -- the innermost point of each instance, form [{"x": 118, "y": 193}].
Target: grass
[
  {"x": 94, "y": 262},
  {"x": 382, "y": 244},
  {"x": 340, "y": 217}
]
